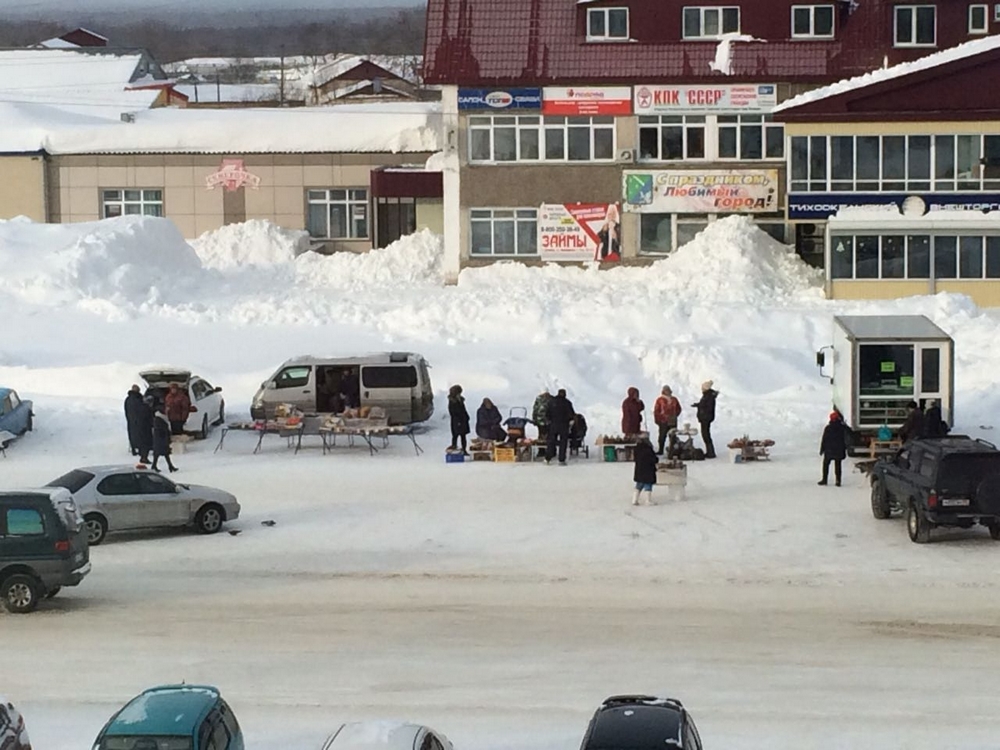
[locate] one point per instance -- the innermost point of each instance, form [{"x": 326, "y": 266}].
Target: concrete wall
[{"x": 22, "y": 187}]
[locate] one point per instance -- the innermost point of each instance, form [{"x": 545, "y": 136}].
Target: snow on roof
[
  {"x": 396, "y": 127},
  {"x": 229, "y": 92},
  {"x": 953, "y": 54},
  {"x": 76, "y": 81},
  {"x": 890, "y": 327},
  {"x": 58, "y": 43}
]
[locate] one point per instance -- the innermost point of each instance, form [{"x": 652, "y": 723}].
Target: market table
[
  {"x": 368, "y": 433},
  {"x": 291, "y": 432}
]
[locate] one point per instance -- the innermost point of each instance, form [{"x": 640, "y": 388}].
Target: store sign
[
  {"x": 232, "y": 175},
  {"x": 500, "y": 99},
  {"x": 579, "y": 232},
  {"x": 821, "y": 206},
  {"x": 660, "y": 100},
  {"x": 580, "y": 100},
  {"x": 701, "y": 191}
]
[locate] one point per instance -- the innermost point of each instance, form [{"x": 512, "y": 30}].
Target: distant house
[
  {"x": 74, "y": 39},
  {"x": 357, "y": 77}
]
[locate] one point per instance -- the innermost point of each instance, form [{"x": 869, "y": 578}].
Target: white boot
[
  {"x": 635, "y": 497},
  {"x": 649, "y": 497}
]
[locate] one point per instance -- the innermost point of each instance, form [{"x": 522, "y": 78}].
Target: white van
[{"x": 398, "y": 382}]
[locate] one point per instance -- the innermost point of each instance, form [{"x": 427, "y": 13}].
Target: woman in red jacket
[
  {"x": 632, "y": 408},
  {"x": 666, "y": 410}
]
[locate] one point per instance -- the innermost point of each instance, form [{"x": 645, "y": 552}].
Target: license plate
[{"x": 950, "y": 502}]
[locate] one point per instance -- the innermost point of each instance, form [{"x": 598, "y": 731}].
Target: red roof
[{"x": 540, "y": 42}]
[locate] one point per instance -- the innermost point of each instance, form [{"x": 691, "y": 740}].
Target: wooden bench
[{"x": 884, "y": 446}]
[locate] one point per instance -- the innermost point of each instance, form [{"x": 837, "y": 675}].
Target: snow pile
[
  {"x": 413, "y": 260},
  {"x": 723, "y": 62},
  {"x": 255, "y": 243}
]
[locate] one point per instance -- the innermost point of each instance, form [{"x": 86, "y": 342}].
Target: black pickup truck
[{"x": 948, "y": 481}]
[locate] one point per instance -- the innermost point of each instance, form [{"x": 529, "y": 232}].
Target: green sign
[
  {"x": 888, "y": 367},
  {"x": 906, "y": 381}
]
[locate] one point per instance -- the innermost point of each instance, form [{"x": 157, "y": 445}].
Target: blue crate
[{"x": 454, "y": 458}]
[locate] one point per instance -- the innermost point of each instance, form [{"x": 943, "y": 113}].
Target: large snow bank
[
  {"x": 255, "y": 243},
  {"x": 412, "y": 260}
]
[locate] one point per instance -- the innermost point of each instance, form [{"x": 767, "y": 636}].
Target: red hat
[{"x": 834, "y": 416}]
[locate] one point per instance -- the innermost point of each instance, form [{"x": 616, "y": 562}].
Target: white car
[
  {"x": 120, "y": 498},
  {"x": 208, "y": 408},
  {"x": 385, "y": 735}
]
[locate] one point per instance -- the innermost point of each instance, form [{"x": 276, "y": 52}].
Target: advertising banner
[
  {"x": 581, "y": 100},
  {"x": 701, "y": 191},
  {"x": 579, "y": 232},
  {"x": 500, "y": 99},
  {"x": 748, "y": 98},
  {"x": 821, "y": 206}
]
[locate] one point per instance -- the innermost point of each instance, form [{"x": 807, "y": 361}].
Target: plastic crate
[
  {"x": 507, "y": 455},
  {"x": 454, "y": 458},
  {"x": 610, "y": 453}
]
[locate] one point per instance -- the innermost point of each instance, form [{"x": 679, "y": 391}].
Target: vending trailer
[{"x": 880, "y": 363}]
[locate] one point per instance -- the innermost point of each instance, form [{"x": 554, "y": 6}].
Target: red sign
[
  {"x": 587, "y": 100},
  {"x": 232, "y": 175},
  {"x": 579, "y": 232}
]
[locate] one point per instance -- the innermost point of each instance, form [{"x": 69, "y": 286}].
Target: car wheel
[
  {"x": 52, "y": 591},
  {"x": 204, "y": 428},
  {"x": 97, "y": 528},
  {"x": 20, "y": 593},
  {"x": 917, "y": 525},
  {"x": 209, "y": 519},
  {"x": 880, "y": 500},
  {"x": 30, "y": 424},
  {"x": 995, "y": 530},
  {"x": 222, "y": 412}
]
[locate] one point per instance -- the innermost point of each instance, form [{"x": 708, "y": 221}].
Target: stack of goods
[
  {"x": 744, "y": 449},
  {"x": 286, "y": 416}
]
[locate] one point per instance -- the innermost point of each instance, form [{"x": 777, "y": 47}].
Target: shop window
[
  {"x": 841, "y": 257},
  {"x": 700, "y": 23},
  {"x": 945, "y": 257},
  {"x": 132, "y": 202},
  {"x": 918, "y": 256},
  {"x": 916, "y": 25},
  {"x": 750, "y": 137},
  {"x": 656, "y": 233},
  {"x": 893, "y": 257},
  {"x": 866, "y": 257},
  {"x": 993, "y": 257},
  {"x": 970, "y": 257},
  {"x": 337, "y": 213},
  {"x": 930, "y": 370},
  {"x": 672, "y": 138},
  {"x": 812, "y": 21},
  {"x": 979, "y": 19},
  {"x": 886, "y": 369},
  {"x": 607, "y": 24},
  {"x": 503, "y": 231}
]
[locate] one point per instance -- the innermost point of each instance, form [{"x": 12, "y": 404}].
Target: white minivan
[{"x": 399, "y": 382}]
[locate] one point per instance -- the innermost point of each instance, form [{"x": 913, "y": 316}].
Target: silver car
[
  {"x": 386, "y": 735},
  {"x": 121, "y": 498}
]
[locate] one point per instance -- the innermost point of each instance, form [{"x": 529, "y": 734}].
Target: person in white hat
[{"x": 706, "y": 415}]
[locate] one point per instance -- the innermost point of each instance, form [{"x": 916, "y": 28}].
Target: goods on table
[{"x": 744, "y": 449}]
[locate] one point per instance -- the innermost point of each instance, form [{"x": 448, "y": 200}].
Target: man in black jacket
[
  {"x": 833, "y": 447},
  {"x": 706, "y": 415},
  {"x": 913, "y": 427},
  {"x": 560, "y": 415},
  {"x": 134, "y": 408}
]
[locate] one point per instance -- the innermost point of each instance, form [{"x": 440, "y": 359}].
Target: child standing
[{"x": 645, "y": 471}]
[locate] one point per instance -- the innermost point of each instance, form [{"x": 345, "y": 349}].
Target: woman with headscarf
[
  {"x": 459, "y": 418},
  {"x": 632, "y": 408},
  {"x": 489, "y": 421}
]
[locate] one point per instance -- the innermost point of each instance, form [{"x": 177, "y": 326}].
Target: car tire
[
  {"x": 995, "y": 530},
  {"x": 203, "y": 433},
  {"x": 988, "y": 495},
  {"x": 917, "y": 525},
  {"x": 222, "y": 412},
  {"x": 52, "y": 592},
  {"x": 30, "y": 424},
  {"x": 20, "y": 593},
  {"x": 209, "y": 519},
  {"x": 880, "y": 500},
  {"x": 96, "y": 527}
]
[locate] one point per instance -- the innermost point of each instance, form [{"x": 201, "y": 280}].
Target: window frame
[
  {"x": 703, "y": 10},
  {"x": 542, "y": 125},
  {"x": 985, "y": 9},
  {"x": 296, "y": 384},
  {"x": 607, "y": 36},
  {"x": 760, "y": 120},
  {"x": 143, "y": 201},
  {"x": 812, "y": 21},
  {"x": 492, "y": 220},
  {"x": 914, "y": 11},
  {"x": 349, "y": 202},
  {"x": 951, "y": 255},
  {"x": 130, "y": 476}
]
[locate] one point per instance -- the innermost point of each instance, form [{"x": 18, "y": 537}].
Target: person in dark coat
[
  {"x": 560, "y": 416},
  {"x": 350, "y": 389},
  {"x": 632, "y": 408},
  {"x": 644, "y": 474},
  {"x": 913, "y": 427},
  {"x": 143, "y": 427},
  {"x": 540, "y": 414},
  {"x": 459, "y": 418},
  {"x": 133, "y": 405},
  {"x": 706, "y": 415},
  {"x": 489, "y": 421},
  {"x": 833, "y": 447},
  {"x": 161, "y": 440},
  {"x": 934, "y": 424}
]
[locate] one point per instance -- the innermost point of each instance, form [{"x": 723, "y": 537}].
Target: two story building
[{"x": 617, "y": 129}]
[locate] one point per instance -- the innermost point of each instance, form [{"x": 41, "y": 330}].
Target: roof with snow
[
  {"x": 398, "y": 127},
  {"x": 933, "y": 64},
  {"x": 890, "y": 327}
]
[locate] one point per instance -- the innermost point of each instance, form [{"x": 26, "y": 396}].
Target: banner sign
[
  {"x": 587, "y": 101},
  {"x": 579, "y": 232},
  {"x": 232, "y": 175},
  {"x": 518, "y": 98},
  {"x": 821, "y": 206},
  {"x": 660, "y": 100},
  {"x": 701, "y": 191}
]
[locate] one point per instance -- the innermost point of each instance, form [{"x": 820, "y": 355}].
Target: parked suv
[
  {"x": 641, "y": 722},
  {"x": 43, "y": 547},
  {"x": 949, "y": 481}
]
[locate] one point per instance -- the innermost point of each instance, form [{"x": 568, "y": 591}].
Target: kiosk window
[
  {"x": 930, "y": 371},
  {"x": 886, "y": 369}
]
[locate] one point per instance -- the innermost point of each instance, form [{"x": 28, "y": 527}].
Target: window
[
  {"x": 131, "y": 203},
  {"x": 73, "y": 481},
  {"x": 200, "y": 389},
  {"x": 501, "y": 138},
  {"x": 912, "y": 256},
  {"x": 154, "y": 484},
  {"x": 670, "y": 138},
  {"x": 293, "y": 377},
  {"x": 24, "y": 522},
  {"x": 389, "y": 377},
  {"x": 395, "y": 218},
  {"x": 916, "y": 25},
  {"x": 812, "y": 21},
  {"x": 118, "y": 484},
  {"x": 979, "y": 19},
  {"x": 710, "y": 22},
  {"x": 337, "y": 214},
  {"x": 656, "y": 234},
  {"x": 886, "y": 370},
  {"x": 930, "y": 370},
  {"x": 749, "y": 137},
  {"x": 607, "y": 23},
  {"x": 504, "y": 231}
]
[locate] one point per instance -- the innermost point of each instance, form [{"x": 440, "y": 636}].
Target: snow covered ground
[{"x": 498, "y": 603}]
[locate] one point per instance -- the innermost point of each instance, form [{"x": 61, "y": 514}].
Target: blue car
[
  {"x": 15, "y": 415},
  {"x": 173, "y": 717}
]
